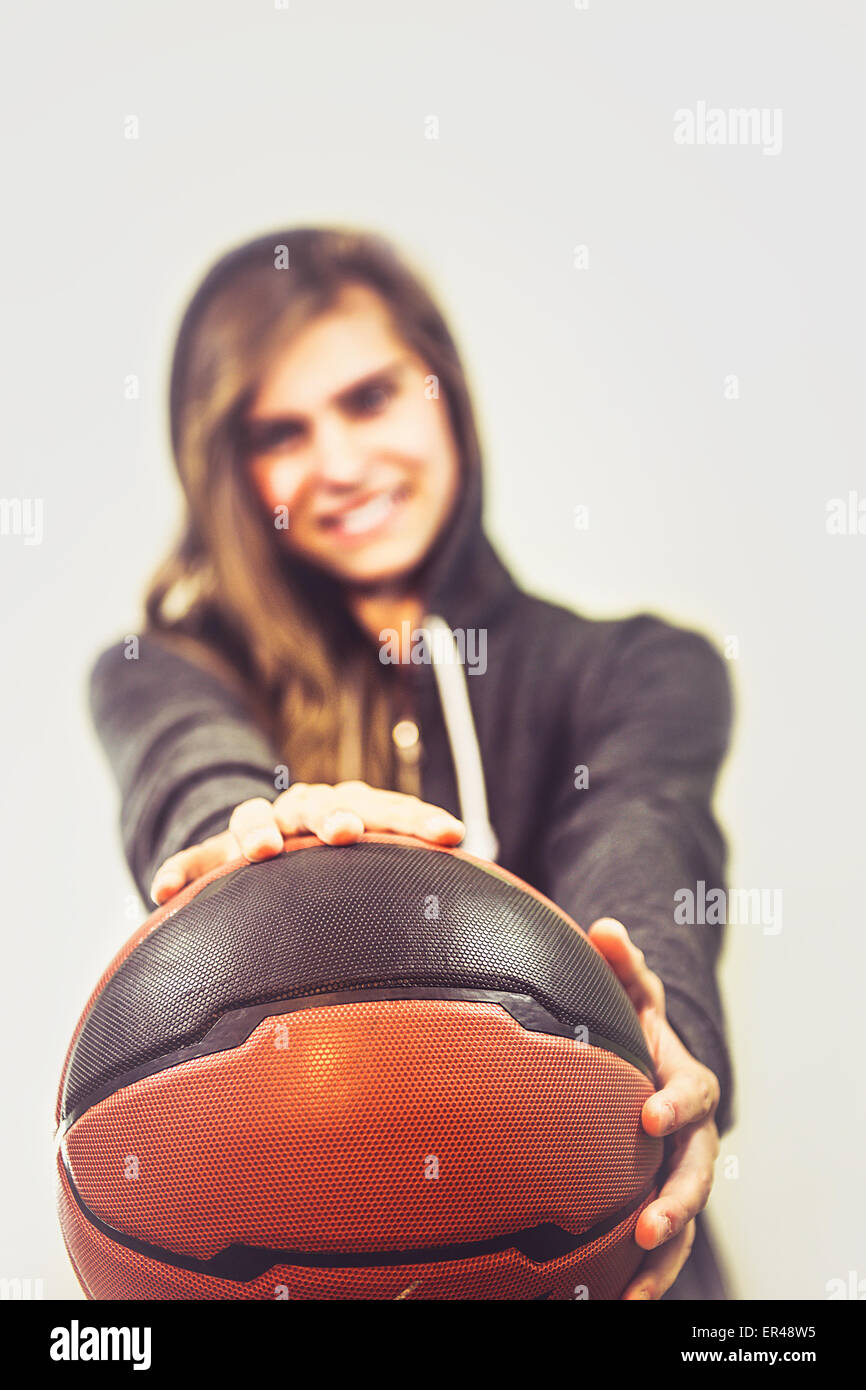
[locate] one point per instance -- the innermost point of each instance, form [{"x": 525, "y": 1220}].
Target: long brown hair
[{"x": 229, "y": 593}]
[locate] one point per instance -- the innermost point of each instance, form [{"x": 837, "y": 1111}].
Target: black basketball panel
[{"x": 328, "y": 919}]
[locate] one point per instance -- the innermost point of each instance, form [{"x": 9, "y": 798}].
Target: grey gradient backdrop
[{"x": 601, "y": 386}]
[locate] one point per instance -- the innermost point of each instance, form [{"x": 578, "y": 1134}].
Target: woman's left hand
[{"x": 685, "y": 1107}]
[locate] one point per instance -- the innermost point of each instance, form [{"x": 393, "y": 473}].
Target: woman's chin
[{"x": 368, "y": 565}]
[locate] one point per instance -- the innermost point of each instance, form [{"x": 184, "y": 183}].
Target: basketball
[{"x": 377, "y": 1071}]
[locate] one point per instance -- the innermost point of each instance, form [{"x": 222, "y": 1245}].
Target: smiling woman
[
  {"x": 318, "y": 391},
  {"x": 315, "y": 382}
]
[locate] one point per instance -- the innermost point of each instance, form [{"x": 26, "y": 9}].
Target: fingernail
[
  {"x": 257, "y": 841},
  {"x": 442, "y": 825},
  {"x": 663, "y": 1229},
  {"x": 165, "y": 880},
  {"x": 666, "y": 1115},
  {"x": 345, "y": 825}
]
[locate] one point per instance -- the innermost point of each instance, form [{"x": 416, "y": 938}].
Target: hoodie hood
[{"x": 463, "y": 580}]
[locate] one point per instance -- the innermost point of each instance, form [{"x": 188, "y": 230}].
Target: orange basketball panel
[
  {"x": 321, "y": 1129},
  {"x": 600, "y": 1270}
]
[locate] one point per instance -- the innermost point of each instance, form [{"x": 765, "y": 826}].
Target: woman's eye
[
  {"x": 374, "y": 398},
  {"x": 266, "y": 440},
  {"x": 263, "y": 438}
]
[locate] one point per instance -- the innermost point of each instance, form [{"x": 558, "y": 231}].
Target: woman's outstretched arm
[
  {"x": 630, "y": 840},
  {"x": 183, "y": 747},
  {"x": 638, "y": 828},
  {"x": 197, "y": 778}
]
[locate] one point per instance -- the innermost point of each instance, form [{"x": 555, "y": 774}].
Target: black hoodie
[{"x": 643, "y": 706}]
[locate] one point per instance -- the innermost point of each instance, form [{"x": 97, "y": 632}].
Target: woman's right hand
[{"x": 338, "y": 815}]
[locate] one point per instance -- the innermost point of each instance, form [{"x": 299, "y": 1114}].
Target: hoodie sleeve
[
  {"x": 651, "y": 727},
  {"x": 183, "y": 747}
]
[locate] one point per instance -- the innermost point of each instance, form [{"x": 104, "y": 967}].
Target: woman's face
[{"x": 342, "y": 434}]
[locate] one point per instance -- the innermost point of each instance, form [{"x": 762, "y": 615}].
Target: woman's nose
[{"x": 338, "y": 460}]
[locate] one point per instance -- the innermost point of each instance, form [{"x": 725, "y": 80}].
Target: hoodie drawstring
[{"x": 450, "y": 677}]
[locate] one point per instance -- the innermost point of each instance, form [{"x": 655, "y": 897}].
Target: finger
[
  {"x": 344, "y": 811},
  {"x": 399, "y": 814},
  {"x": 289, "y": 811},
  {"x": 255, "y": 828},
  {"x": 186, "y": 866},
  {"x": 339, "y": 827},
  {"x": 690, "y": 1094},
  {"x": 685, "y": 1192},
  {"x": 660, "y": 1269},
  {"x": 642, "y": 985},
  {"x": 316, "y": 808},
  {"x": 170, "y": 877}
]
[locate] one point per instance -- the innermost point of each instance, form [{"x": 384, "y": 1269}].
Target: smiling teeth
[{"x": 366, "y": 517}]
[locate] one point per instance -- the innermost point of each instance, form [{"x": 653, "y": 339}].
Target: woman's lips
[{"x": 367, "y": 518}]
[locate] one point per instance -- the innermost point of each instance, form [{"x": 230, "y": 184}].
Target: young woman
[{"x": 334, "y": 646}]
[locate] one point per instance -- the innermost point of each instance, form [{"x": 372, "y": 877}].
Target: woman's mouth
[{"x": 366, "y": 518}]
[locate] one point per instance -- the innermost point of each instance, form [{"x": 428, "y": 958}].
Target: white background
[{"x": 601, "y": 386}]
